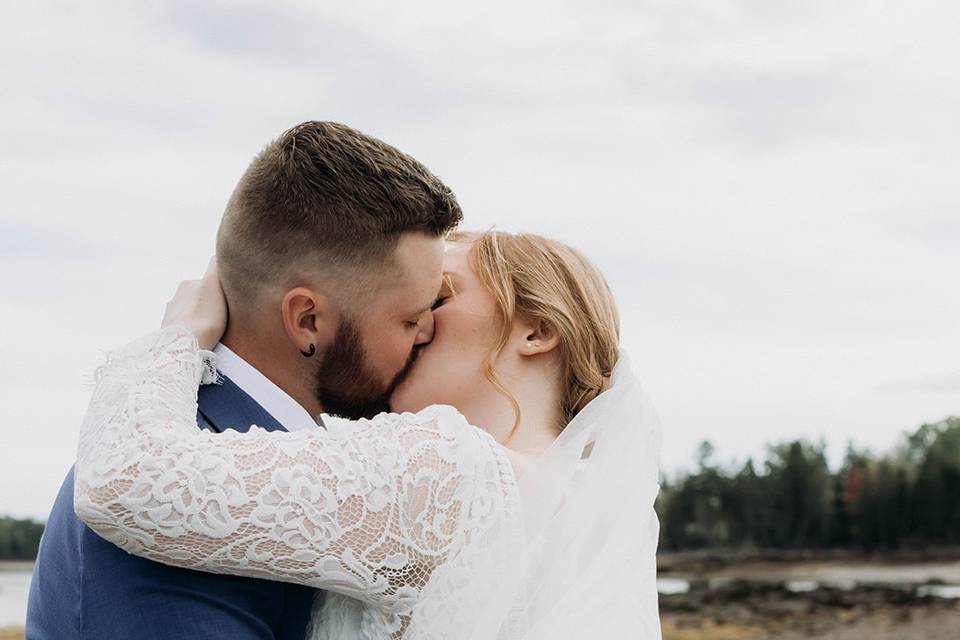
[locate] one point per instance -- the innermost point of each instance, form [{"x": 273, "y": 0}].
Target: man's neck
[{"x": 265, "y": 357}]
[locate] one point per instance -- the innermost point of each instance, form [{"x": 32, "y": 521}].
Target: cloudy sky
[{"x": 770, "y": 186}]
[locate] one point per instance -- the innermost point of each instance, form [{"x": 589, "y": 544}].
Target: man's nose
[{"x": 425, "y": 333}]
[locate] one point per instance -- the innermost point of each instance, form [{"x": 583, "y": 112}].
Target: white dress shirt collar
[{"x": 275, "y": 400}]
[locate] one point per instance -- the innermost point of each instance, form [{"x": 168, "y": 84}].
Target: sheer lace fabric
[{"x": 403, "y": 514}]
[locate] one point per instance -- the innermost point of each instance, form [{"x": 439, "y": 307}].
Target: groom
[{"x": 329, "y": 254}]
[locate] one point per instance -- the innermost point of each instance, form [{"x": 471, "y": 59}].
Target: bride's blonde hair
[{"x": 544, "y": 280}]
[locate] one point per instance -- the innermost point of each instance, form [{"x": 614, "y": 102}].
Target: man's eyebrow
[
  {"x": 425, "y": 309},
  {"x": 447, "y": 282}
]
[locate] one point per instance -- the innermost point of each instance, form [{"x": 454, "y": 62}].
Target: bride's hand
[{"x": 201, "y": 307}]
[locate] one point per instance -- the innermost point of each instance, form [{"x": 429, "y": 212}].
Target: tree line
[
  {"x": 19, "y": 539},
  {"x": 907, "y": 499}
]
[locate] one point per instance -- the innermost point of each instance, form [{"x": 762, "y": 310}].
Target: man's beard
[{"x": 345, "y": 384}]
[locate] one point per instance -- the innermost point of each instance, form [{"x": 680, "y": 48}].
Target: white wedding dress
[{"x": 414, "y": 524}]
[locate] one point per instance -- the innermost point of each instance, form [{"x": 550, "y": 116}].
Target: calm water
[
  {"x": 14, "y": 587},
  {"x": 809, "y": 576}
]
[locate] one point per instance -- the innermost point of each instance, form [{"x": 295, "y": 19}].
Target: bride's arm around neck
[{"x": 369, "y": 510}]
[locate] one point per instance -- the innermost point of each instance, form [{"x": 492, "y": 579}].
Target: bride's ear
[
  {"x": 309, "y": 318},
  {"x": 538, "y": 336}
]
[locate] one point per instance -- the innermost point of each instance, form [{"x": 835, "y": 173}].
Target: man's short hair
[{"x": 324, "y": 199}]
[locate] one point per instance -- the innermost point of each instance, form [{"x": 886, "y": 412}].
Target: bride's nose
[{"x": 425, "y": 332}]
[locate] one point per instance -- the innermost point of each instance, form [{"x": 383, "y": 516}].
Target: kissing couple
[{"x": 489, "y": 471}]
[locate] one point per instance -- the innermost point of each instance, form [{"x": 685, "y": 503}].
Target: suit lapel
[{"x": 227, "y": 406}]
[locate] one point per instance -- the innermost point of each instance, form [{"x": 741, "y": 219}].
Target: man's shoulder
[
  {"x": 122, "y": 595},
  {"x": 225, "y": 405}
]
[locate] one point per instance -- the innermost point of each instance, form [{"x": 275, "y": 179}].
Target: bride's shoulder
[
  {"x": 436, "y": 421},
  {"x": 442, "y": 427},
  {"x": 442, "y": 415},
  {"x": 436, "y": 418}
]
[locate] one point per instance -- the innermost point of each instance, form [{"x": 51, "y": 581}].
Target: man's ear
[
  {"x": 309, "y": 318},
  {"x": 538, "y": 336}
]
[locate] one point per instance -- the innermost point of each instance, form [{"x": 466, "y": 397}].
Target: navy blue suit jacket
[{"x": 83, "y": 587}]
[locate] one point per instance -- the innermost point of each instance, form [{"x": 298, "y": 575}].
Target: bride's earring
[{"x": 310, "y": 352}]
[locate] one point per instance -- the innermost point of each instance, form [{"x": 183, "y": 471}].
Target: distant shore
[
  {"x": 16, "y": 566},
  {"x": 707, "y": 560}
]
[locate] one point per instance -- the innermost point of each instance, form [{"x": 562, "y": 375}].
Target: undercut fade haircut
[{"x": 325, "y": 200}]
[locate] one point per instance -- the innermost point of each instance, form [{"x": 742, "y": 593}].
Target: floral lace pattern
[{"x": 372, "y": 510}]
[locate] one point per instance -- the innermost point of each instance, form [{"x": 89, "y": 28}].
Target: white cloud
[{"x": 947, "y": 384}]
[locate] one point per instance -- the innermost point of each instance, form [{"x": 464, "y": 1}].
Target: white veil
[{"x": 589, "y": 562}]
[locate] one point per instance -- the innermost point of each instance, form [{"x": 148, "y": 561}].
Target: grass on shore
[{"x": 709, "y": 631}]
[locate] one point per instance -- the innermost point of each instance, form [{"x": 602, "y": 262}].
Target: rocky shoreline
[{"x": 742, "y": 609}]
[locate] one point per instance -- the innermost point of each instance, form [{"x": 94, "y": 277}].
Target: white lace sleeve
[{"x": 368, "y": 511}]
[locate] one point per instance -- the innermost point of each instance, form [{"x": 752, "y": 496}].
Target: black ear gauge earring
[{"x": 310, "y": 352}]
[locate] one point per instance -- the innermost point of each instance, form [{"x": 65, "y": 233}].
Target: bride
[{"x": 524, "y": 512}]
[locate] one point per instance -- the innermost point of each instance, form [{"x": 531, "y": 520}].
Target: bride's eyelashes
[
  {"x": 447, "y": 290},
  {"x": 412, "y": 324}
]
